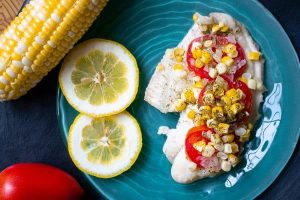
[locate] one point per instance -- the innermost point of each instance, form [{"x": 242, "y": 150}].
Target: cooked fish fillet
[{"x": 165, "y": 88}]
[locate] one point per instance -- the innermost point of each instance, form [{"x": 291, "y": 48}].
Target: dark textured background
[{"x": 29, "y": 130}]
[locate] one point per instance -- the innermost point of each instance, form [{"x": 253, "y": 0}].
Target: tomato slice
[
  {"x": 194, "y": 135},
  {"x": 237, "y": 85},
  {"x": 221, "y": 40}
]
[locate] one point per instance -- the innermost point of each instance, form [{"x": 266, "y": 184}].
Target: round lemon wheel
[
  {"x": 104, "y": 147},
  {"x": 99, "y": 77}
]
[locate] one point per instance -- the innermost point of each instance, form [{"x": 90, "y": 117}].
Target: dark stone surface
[{"x": 29, "y": 130}]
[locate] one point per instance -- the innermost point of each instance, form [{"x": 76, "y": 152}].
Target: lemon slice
[
  {"x": 104, "y": 147},
  {"x": 99, "y": 77}
]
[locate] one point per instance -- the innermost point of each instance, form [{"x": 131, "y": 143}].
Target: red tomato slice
[
  {"x": 194, "y": 135},
  {"x": 221, "y": 40}
]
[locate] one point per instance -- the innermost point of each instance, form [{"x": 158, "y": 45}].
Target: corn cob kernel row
[
  {"x": 26, "y": 27},
  {"x": 39, "y": 38},
  {"x": 39, "y": 11}
]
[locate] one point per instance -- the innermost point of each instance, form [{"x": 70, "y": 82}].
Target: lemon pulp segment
[
  {"x": 103, "y": 140},
  {"x": 99, "y": 77}
]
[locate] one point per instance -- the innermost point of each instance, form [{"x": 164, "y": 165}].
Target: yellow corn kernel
[
  {"x": 215, "y": 139},
  {"x": 233, "y": 95},
  {"x": 6, "y": 78},
  {"x": 197, "y": 53},
  {"x": 195, "y": 17},
  {"x": 218, "y": 90},
  {"x": 236, "y": 108},
  {"x": 227, "y": 61},
  {"x": 180, "y": 105},
  {"x": 230, "y": 114},
  {"x": 199, "y": 84},
  {"x": 179, "y": 52},
  {"x": 203, "y": 27},
  {"x": 245, "y": 137},
  {"x": 198, "y": 63},
  {"x": 223, "y": 128},
  {"x": 217, "y": 112},
  {"x": 207, "y": 43},
  {"x": 240, "y": 131},
  {"x": 221, "y": 68},
  {"x": 227, "y": 148},
  {"x": 251, "y": 83},
  {"x": 16, "y": 56},
  {"x": 205, "y": 112},
  {"x": 2, "y": 86},
  {"x": 206, "y": 57},
  {"x": 228, "y": 138},
  {"x": 233, "y": 159},
  {"x": 197, "y": 121},
  {"x": 221, "y": 82},
  {"x": 215, "y": 28},
  {"x": 233, "y": 54},
  {"x": 200, "y": 145},
  {"x": 240, "y": 93},
  {"x": 229, "y": 48},
  {"x": 178, "y": 66},
  {"x": 234, "y": 147},
  {"x": 179, "y": 58},
  {"x": 224, "y": 29},
  {"x": 196, "y": 79},
  {"x": 243, "y": 79},
  {"x": 210, "y": 143},
  {"x": 254, "y": 55},
  {"x": 211, "y": 123},
  {"x": 225, "y": 166},
  {"x": 48, "y": 48},
  {"x": 191, "y": 114},
  {"x": 208, "y": 98},
  {"x": 250, "y": 126},
  {"x": 226, "y": 100},
  {"x": 213, "y": 73},
  {"x": 208, "y": 151},
  {"x": 189, "y": 96},
  {"x": 160, "y": 67},
  {"x": 219, "y": 147}
]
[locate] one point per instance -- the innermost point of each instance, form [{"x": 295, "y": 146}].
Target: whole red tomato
[{"x": 32, "y": 181}]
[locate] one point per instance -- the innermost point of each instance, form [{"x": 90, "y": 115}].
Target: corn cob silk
[{"x": 39, "y": 38}]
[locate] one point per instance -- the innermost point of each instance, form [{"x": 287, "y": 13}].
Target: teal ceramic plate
[{"x": 147, "y": 28}]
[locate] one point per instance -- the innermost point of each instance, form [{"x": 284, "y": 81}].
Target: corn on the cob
[{"x": 39, "y": 38}]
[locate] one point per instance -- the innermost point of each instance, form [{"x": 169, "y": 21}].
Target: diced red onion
[
  {"x": 218, "y": 55},
  {"x": 233, "y": 69},
  {"x": 231, "y": 38},
  {"x": 206, "y": 68},
  {"x": 241, "y": 63},
  {"x": 205, "y": 81}
]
